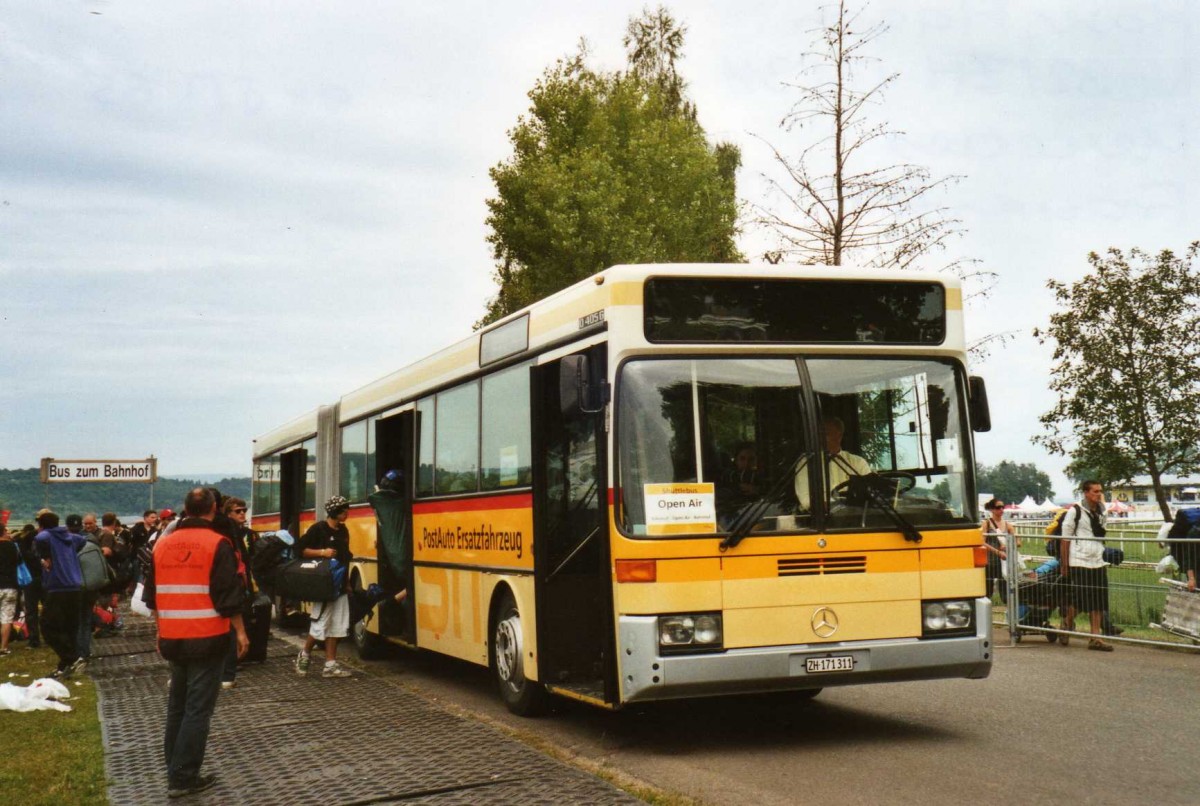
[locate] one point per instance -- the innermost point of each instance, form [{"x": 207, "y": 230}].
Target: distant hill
[{"x": 22, "y": 492}]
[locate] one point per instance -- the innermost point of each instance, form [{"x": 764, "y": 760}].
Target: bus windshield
[{"x": 704, "y": 441}]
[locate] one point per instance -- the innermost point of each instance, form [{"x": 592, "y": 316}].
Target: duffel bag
[{"x": 311, "y": 580}]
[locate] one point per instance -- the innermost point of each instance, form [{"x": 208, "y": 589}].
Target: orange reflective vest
[{"x": 183, "y": 562}]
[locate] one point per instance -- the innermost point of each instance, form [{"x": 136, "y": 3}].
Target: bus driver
[{"x": 840, "y": 465}]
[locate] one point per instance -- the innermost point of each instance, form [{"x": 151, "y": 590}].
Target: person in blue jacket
[{"x": 62, "y": 589}]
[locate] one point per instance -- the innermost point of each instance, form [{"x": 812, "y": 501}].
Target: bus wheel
[
  {"x": 369, "y": 645},
  {"x": 523, "y": 697}
]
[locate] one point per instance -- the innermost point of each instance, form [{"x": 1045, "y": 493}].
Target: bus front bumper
[{"x": 646, "y": 674}]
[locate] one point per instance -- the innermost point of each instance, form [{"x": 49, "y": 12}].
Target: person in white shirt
[
  {"x": 840, "y": 465},
  {"x": 1081, "y": 559}
]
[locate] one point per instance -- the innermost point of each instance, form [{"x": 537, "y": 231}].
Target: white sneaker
[
  {"x": 302, "y": 663},
  {"x": 335, "y": 669}
]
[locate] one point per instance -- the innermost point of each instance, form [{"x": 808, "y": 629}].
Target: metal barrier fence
[{"x": 1147, "y": 598}]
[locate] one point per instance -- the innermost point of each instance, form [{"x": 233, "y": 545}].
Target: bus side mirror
[
  {"x": 576, "y": 393},
  {"x": 981, "y": 415}
]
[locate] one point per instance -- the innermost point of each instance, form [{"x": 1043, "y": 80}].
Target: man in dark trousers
[
  {"x": 62, "y": 585},
  {"x": 196, "y": 593}
]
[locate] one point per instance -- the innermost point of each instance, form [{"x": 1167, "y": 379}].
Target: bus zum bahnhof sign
[
  {"x": 99, "y": 470},
  {"x": 608, "y": 494}
]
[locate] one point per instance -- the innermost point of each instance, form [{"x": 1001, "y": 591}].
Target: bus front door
[
  {"x": 394, "y": 451},
  {"x": 574, "y": 591},
  {"x": 292, "y": 470}
]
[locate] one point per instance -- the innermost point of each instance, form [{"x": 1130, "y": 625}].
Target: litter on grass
[{"x": 40, "y": 695}]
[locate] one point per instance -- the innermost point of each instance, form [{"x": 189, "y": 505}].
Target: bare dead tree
[{"x": 831, "y": 211}]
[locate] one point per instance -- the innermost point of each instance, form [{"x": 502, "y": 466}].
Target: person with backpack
[
  {"x": 10, "y": 558},
  {"x": 89, "y": 594},
  {"x": 1081, "y": 563},
  {"x": 243, "y": 538},
  {"x": 31, "y": 594},
  {"x": 330, "y": 620},
  {"x": 62, "y": 585},
  {"x": 120, "y": 559}
]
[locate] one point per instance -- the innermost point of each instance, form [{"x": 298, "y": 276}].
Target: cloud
[{"x": 215, "y": 216}]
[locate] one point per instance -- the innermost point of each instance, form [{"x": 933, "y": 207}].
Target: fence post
[{"x": 1012, "y": 575}]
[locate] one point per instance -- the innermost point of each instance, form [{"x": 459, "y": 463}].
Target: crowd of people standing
[{"x": 45, "y": 594}]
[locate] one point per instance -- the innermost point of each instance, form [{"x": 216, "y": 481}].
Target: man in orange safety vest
[{"x": 196, "y": 593}]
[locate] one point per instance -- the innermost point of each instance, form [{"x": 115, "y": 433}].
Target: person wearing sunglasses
[
  {"x": 243, "y": 542},
  {"x": 995, "y": 530}
]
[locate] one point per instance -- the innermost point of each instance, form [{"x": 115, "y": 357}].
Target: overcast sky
[{"x": 215, "y": 216}]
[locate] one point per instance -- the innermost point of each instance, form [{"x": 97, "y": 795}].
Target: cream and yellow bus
[{"x": 671, "y": 481}]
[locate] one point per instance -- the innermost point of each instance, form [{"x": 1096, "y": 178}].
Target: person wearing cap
[
  {"x": 62, "y": 584},
  {"x": 330, "y": 620}
]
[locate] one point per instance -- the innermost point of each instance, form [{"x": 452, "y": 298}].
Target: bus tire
[{"x": 521, "y": 695}]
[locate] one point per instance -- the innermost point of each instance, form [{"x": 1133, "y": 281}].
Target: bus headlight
[
  {"x": 950, "y": 616},
  {"x": 690, "y": 631}
]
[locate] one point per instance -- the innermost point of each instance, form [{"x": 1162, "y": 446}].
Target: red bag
[{"x": 104, "y": 617}]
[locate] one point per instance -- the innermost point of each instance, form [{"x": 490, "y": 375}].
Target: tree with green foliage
[
  {"x": 22, "y": 492},
  {"x": 1012, "y": 481},
  {"x": 609, "y": 168},
  {"x": 1127, "y": 367}
]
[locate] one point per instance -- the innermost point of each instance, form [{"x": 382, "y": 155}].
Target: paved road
[{"x": 1051, "y": 725}]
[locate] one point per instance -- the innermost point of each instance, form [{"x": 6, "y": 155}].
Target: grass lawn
[{"x": 50, "y": 757}]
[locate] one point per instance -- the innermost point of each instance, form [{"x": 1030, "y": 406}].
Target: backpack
[
  {"x": 1055, "y": 527},
  {"x": 271, "y": 551},
  {"x": 97, "y": 573},
  {"x": 1186, "y": 554},
  {"x": 1185, "y": 521}
]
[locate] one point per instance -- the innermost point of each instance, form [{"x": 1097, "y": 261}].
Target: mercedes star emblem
[{"x": 824, "y": 622}]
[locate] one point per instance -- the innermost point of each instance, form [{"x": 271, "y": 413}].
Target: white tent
[
  {"x": 1031, "y": 509},
  {"x": 1048, "y": 506}
]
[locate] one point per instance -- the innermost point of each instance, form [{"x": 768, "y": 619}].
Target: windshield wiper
[
  {"x": 751, "y": 514},
  {"x": 867, "y": 489}
]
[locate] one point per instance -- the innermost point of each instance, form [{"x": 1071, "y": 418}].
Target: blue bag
[{"x": 24, "y": 578}]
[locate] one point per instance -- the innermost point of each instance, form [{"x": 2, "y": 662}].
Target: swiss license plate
[{"x": 836, "y": 663}]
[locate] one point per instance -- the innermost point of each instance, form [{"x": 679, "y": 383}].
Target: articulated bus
[{"x": 671, "y": 481}]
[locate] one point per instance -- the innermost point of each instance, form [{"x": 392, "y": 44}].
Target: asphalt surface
[{"x": 1051, "y": 725}]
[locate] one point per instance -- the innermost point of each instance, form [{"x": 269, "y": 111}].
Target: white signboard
[
  {"x": 99, "y": 470},
  {"x": 678, "y": 509}
]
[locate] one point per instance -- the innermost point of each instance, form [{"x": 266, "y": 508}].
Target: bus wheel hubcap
[{"x": 508, "y": 651}]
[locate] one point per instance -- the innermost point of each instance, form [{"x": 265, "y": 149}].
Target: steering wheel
[{"x": 903, "y": 482}]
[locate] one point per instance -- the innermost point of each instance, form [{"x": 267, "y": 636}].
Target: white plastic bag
[
  {"x": 135, "y": 602},
  {"x": 41, "y": 695},
  {"x": 1167, "y": 565}
]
